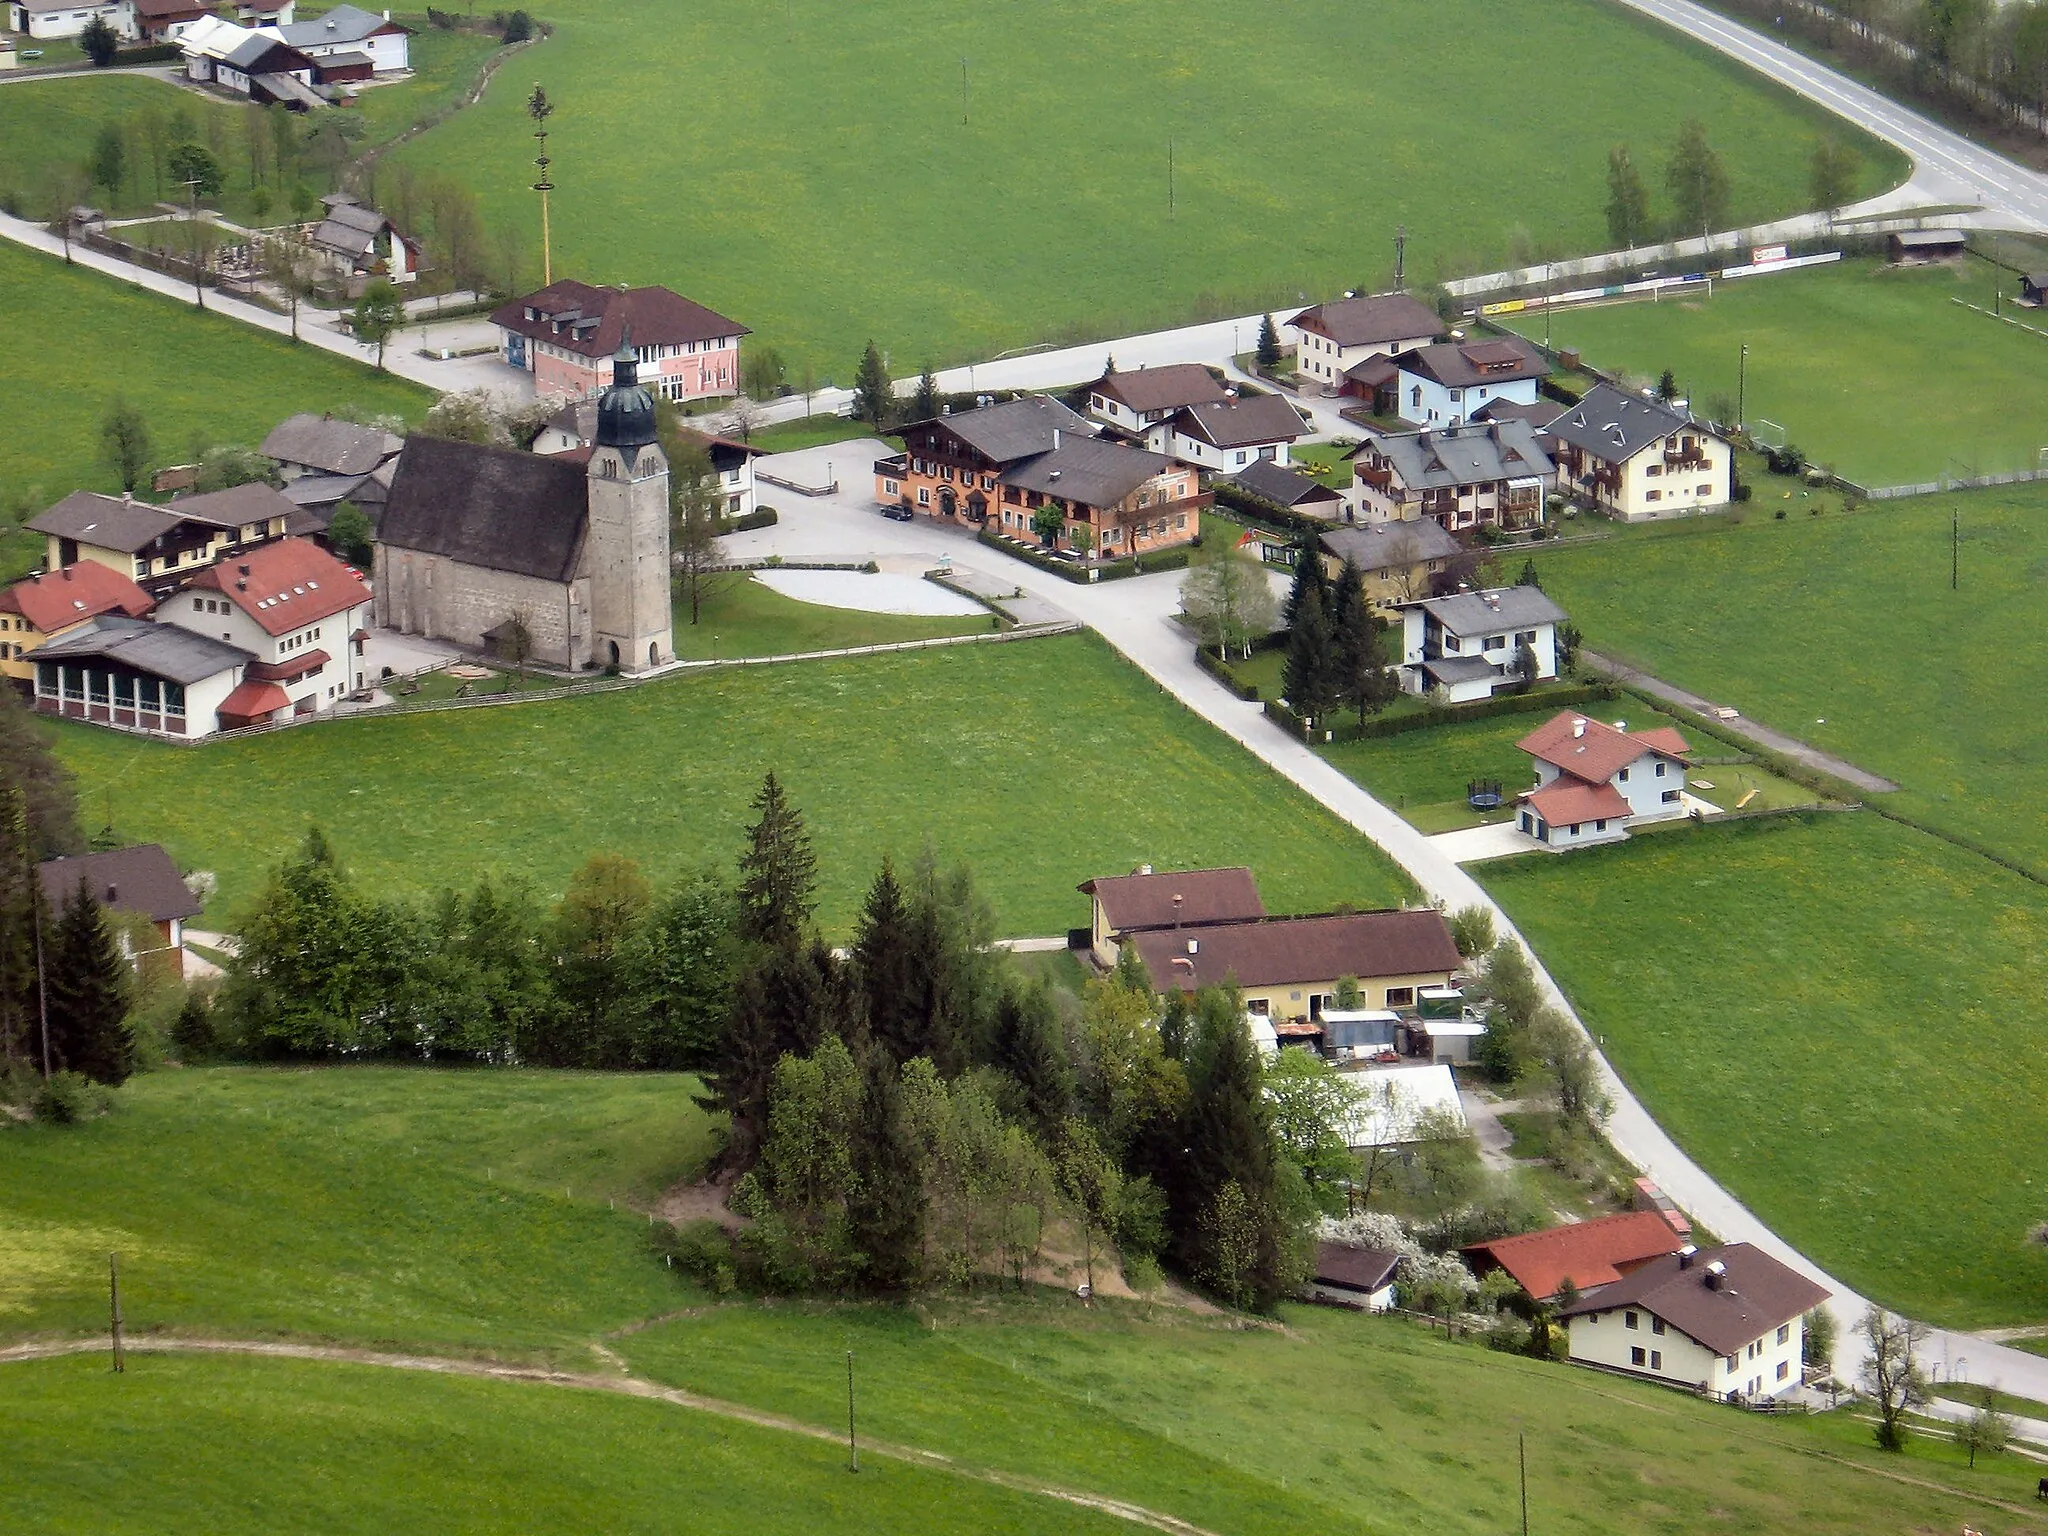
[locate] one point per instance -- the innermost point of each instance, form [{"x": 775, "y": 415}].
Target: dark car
[{"x": 897, "y": 512}]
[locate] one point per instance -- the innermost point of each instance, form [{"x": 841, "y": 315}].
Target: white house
[
  {"x": 68, "y": 18},
  {"x": 1349, "y": 1275},
  {"x": 300, "y": 614},
  {"x": 1337, "y": 336},
  {"x": 1468, "y": 644},
  {"x": 1593, "y": 781},
  {"x": 349, "y": 29},
  {"x": 1228, "y": 435},
  {"x": 1484, "y": 472},
  {"x": 1445, "y": 384},
  {"x": 207, "y": 42},
  {"x": 1639, "y": 458},
  {"x": 134, "y": 675},
  {"x": 573, "y": 429},
  {"x": 1133, "y": 401},
  {"x": 1728, "y": 1321}
]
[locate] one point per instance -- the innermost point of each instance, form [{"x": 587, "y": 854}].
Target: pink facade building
[{"x": 565, "y": 336}]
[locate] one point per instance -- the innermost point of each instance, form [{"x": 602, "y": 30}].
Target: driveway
[{"x": 1473, "y": 845}]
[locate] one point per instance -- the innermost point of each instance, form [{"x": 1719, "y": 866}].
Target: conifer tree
[
  {"x": 778, "y": 873},
  {"x": 784, "y": 1004},
  {"x": 1269, "y": 343},
  {"x": 1309, "y": 675},
  {"x": 1309, "y": 576},
  {"x": 889, "y": 1210},
  {"x": 88, "y": 986},
  {"x": 874, "y": 396},
  {"x": 20, "y": 894},
  {"x": 1358, "y": 665},
  {"x": 884, "y": 969},
  {"x": 1030, "y": 1046},
  {"x": 924, "y": 405}
]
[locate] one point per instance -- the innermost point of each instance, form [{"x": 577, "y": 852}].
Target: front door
[{"x": 948, "y": 504}]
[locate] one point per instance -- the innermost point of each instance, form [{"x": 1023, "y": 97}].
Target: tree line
[{"x": 1696, "y": 185}]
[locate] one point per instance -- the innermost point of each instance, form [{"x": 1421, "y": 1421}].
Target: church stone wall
[{"x": 443, "y": 599}]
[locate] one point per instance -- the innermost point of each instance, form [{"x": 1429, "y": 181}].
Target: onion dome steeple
[{"x": 625, "y": 411}]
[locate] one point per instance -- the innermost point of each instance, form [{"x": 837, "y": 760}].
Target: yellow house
[
  {"x": 43, "y": 607},
  {"x": 1397, "y": 559},
  {"x": 1143, "y": 901},
  {"x": 1287, "y": 968},
  {"x": 149, "y": 543},
  {"x": 1639, "y": 458}
]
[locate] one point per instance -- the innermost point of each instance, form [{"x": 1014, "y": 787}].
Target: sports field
[
  {"x": 1844, "y": 631},
  {"x": 1039, "y": 763},
  {"x": 76, "y": 339},
  {"x": 352, "y": 1183},
  {"x": 823, "y": 188},
  {"x": 1874, "y": 371},
  {"x": 1839, "y": 1019}
]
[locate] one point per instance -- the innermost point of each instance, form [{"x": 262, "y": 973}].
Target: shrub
[
  {"x": 701, "y": 1249},
  {"x": 1472, "y": 931},
  {"x": 193, "y": 1035},
  {"x": 70, "y": 1097},
  {"x": 760, "y": 517}
]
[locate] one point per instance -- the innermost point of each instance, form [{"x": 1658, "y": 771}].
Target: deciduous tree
[
  {"x": 378, "y": 315},
  {"x": 351, "y": 533},
  {"x": 125, "y": 444},
  {"x": 1628, "y": 202},
  {"x": 762, "y": 373},
  {"x": 1986, "y": 1430},
  {"x": 1891, "y": 1372},
  {"x": 1835, "y": 169},
  {"x": 109, "y": 161},
  {"x": 695, "y": 556},
  {"x": 1697, "y": 182}
]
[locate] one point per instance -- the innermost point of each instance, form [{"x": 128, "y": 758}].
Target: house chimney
[
  {"x": 113, "y": 891},
  {"x": 1144, "y": 869},
  {"x": 1686, "y": 1256},
  {"x": 1578, "y": 729},
  {"x": 67, "y": 573},
  {"x": 1055, "y": 439},
  {"x": 1717, "y": 1276},
  {"x": 1193, "y": 946},
  {"x": 243, "y": 569}
]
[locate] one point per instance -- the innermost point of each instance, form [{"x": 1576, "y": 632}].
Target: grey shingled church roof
[{"x": 495, "y": 508}]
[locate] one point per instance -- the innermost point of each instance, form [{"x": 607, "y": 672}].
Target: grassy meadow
[
  {"x": 841, "y": 196},
  {"x": 348, "y": 1205},
  {"x": 1822, "y": 343},
  {"x": 1843, "y": 631},
  {"x": 1038, "y": 763},
  {"x": 1839, "y": 1018},
  {"x": 375, "y": 1205},
  {"x": 77, "y": 339},
  {"x": 741, "y": 617}
]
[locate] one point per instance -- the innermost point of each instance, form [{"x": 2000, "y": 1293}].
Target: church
[{"x": 564, "y": 564}]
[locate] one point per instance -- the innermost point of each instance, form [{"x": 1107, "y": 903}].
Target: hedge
[
  {"x": 1268, "y": 514},
  {"x": 1068, "y": 570},
  {"x": 761, "y": 517},
  {"x": 1206, "y": 660},
  {"x": 1488, "y": 709}
]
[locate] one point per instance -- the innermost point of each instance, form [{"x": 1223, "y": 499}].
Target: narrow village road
[{"x": 1136, "y": 617}]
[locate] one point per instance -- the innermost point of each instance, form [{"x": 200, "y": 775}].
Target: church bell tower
[{"x": 627, "y": 553}]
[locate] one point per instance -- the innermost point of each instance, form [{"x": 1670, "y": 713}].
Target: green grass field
[
  {"x": 466, "y": 1211},
  {"x": 1844, "y": 632},
  {"x": 76, "y": 339},
  {"x": 1822, "y": 343},
  {"x": 1839, "y": 1019},
  {"x": 842, "y": 197},
  {"x": 744, "y": 618},
  {"x": 349, "y": 1205},
  {"x": 1039, "y": 763}
]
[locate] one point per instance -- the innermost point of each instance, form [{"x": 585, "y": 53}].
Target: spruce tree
[
  {"x": 784, "y": 1004},
  {"x": 889, "y": 1207},
  {"x": 884, "y": 969},
  {"x": 1358, "y": 660},
  {"x": 1269, "y": 343},
  {"x": 874, "y": 395},
  {"x": 1309, "y": 576},
  {"x": 88, "y": 984},
  {"x": 1230, "y": 1141},
  {"x": 1031, "y": 1048},
  {"x": 924, "y": 405},
  {"x": 20, "y": 895},
  {"x": 778, "y": 873},
  {"x": 1309, "y": 675}
]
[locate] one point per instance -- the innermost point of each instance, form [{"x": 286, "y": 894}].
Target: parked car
[{"x": 897, "y": 512}]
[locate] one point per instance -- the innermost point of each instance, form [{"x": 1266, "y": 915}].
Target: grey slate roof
[
  {"x": 1088, "y": 470},
  {"x": 322, "y": 490},
  {"x": 1491, "y": 360},
  {"x": 1161, "y": 389},
  {"x": 349, "y": 228},
  {"x": 139, "y": 879},
  {"x": 1539, "y": 414},
  {"x": 343, "y": 24},
  {"x": 108, "y": 522},
  {"x": 496, "y": 508},
  {"x": 1371, "y": 318},
  {"x": 234, "y": 508},
  {"x": 162, "y": 650},
  {"x": 1013, "y": 430},
  {"x": 1460, "y": 669},
  {"x": 1614, "y": 425},
  {"x": 1383, "y": 546},
  {"x": 330, "y": 445},
  {"x": 1443, "y": 458},
  {"x": 1282, "y": 486},
  {"x": 1489, "y": 612},
  {"x": 1241, "y": 423}
]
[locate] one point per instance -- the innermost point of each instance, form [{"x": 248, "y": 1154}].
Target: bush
[
  {"x": 1207, "y": 661},
  {"x": 701, "y": 1249},
  {"x": 1267, "y": 514},
  {"x": 193, "y": 1035},
  {"x": 1787, "y": 460},
  {"x": 760, "y": 517},
  {"x": 1472, "y": 931},
  {"x": 70, "y": 1097},
  {"x": 518, "y": 27}
]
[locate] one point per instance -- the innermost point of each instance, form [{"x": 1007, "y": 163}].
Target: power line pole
[
  {"x": 1400, "y": 257},
  {"x": 1741, "y": 387},
  {"x": 1955, "y": 548},
  {"x": 114, "y": 1310},
  {"x": 1169, "y": 181},
  {"x": 35, "y": 895},
  {"x": 963, "y": 90},
  {"x": 198, "y": 287},
  {"x": 1522, "y": 1453},
  {"x": 852, "y": 1445}
]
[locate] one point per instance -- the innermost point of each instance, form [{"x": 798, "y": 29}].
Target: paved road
[
  {"x": 1763, "y": 735},
  {"x": 1135, "y": 617},
  {"x": 1947, "y": 165}
]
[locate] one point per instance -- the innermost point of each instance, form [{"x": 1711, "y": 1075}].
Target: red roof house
[
  {"x": 1588, "y": 1253},
  {"x": 1594, "y": 780},
  {"x": 566, "y": 334}
]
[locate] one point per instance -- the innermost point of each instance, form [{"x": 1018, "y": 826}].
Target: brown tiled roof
[
  {"x": 1161, "y": 389},
  {"x": 1134, "y": 902},
  {"x": 105, "y": 522},
  {"x": 1750, "y": 1295},
  {"x": 1566, "y": 802},
  {"x": 1353, "y": 1267},
  {"x": 495, "y": 508},
  {"x": 1277, "y": 950},
  {"x": 1372, "y": 318},
  {"x": 1589, "y": 1253},
  {"x": 79, "y": 592},
  {"x": 1593, "y": 752},
  {"x": 234, "y": 508},
  {"x": 1242, "y": 422},
  {"x": 1456, "y": 364},
  {"x": 1205, "y": 896},
  {"x": 591, "y": 322},
  {"x": 138, "y": 879},
  {"x": 287, "y": 585}
]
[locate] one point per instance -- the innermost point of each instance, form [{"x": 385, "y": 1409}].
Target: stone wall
[{"x": 443, "y": 599}]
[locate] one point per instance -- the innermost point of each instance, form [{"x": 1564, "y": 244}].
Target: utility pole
[
  {"x": 1169, "y": 181},
  {"x": 35, "y": 894},
  {"x": 198, "y": 287},
  {"x": 1522, "y": 1454},
  {"x": 1400, "y": 257},
  {"x": 1741, "y": 387},
  {"x": 852, "y": 1445},
  {"x": 114, "y": 1310},
  {"x": 540, "y": 109},
  {"x": 963, "y": 90},
  {"x": 1955, "y": 548}
]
